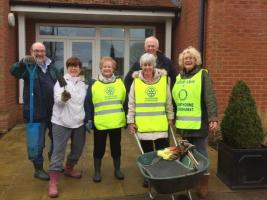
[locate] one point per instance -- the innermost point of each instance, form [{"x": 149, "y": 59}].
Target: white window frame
[{"x": 96, "y": 41}]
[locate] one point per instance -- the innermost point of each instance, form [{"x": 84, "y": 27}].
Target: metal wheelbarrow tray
[{"x": 170, "y": 176}]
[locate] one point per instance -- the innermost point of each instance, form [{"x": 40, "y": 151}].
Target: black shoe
[
  {"x": 41, "y": 174},
  {"x": 119, "y": 175},
  {"x": 117, "y": 165},
  {"x": 97, "y": 178},
  {"x": 97, "y": 165}
]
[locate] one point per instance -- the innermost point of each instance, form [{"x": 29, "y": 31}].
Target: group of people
[{"x": 67, "y": 107}]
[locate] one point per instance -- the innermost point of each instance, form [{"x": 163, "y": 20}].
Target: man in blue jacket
[{"x": 45, "y": 77}]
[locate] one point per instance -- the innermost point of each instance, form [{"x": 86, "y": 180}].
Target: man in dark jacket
[
  {"x": 45, "y": 77},
  {"x": 152, "y": 46}
]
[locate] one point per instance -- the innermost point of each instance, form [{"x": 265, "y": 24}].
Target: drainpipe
[{"x": 201, "y": 33}]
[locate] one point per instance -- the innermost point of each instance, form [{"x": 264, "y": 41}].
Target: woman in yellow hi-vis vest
[
  {"x": 196, "y": 105},
  {"x": 105, "y": 114},
  {"x": 150, "y": 105}
]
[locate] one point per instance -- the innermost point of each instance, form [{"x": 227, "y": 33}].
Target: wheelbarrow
[{"x": 171, "y": 176}]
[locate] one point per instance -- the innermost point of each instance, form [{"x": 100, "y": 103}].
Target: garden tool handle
[
  {"x": 191, "y": 156},
  {"x": 138, "y": 142},
  {"x": 173, "y": 137}
]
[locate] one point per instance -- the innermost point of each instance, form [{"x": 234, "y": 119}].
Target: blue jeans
[{"x": 39, "y": 159}]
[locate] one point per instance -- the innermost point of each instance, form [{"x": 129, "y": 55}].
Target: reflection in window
[
  {"x": 137, "y": 38},
  {"x": 67, "y": 31},
  {"x": 140, "y": 33},
  {"x": 55, "y": 51},
  {"x": 112, "y": 32},
  {"x": 83, "y": 50},
  {"x": 136, "y": 50},
  {"x": 114, "y": 49}
]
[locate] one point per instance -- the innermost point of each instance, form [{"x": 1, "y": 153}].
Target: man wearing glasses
[{"x": 45, "y": 77}]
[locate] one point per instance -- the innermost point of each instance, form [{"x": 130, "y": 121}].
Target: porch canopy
[{"x": 99, "y": 10}]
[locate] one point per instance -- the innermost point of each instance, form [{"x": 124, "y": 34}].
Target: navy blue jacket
[{"x": 43, "y": 101}]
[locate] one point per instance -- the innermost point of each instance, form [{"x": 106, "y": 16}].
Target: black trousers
[
  {"x": 100, "y": 138},
  {"x": 148, "y": 145}
]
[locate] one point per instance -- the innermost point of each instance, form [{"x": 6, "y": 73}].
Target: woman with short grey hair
[{"x": 150, "y": 106}]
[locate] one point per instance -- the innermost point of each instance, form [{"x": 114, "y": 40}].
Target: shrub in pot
[{"x": 242, "y": 159}]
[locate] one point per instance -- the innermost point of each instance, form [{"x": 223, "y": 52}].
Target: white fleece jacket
[{"x": 70, "y": 114}]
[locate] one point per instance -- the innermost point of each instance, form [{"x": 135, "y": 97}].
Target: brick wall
[
  {"x": 236, "y": 48},
  {"x": 8, "y": 85},
  {"x": 235, "y": 45},
  {"x": 186, "y": 28}
]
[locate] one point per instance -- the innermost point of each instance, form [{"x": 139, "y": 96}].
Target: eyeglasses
[
  {"x": 38, "y": 51},
  {"x": 73, "y": 66}
]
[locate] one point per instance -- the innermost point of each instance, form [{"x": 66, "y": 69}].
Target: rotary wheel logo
[
  {"x": 182, "y": 94},
  {"x": 109, "y": 90},
  {"x": 151, "y": 91}
]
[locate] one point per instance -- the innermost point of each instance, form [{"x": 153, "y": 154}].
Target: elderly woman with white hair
[
  {"x": 104, "y": 111},
  {"x": 150, "y": 105},
  {"x": 196, "y": 105}
]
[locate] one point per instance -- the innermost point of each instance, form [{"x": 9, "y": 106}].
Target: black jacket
[{"x": 162, "y": 63}]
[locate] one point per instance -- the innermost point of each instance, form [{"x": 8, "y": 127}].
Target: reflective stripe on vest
[
  {"x": 150, "y": 105},
  {"x": 187, "y": 96},
  {"x": 108, "y": 101}
]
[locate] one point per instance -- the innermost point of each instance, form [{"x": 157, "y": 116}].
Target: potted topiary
[{"x": 242, "y": 159}]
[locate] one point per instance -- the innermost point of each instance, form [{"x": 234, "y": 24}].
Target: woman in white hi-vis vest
[
  {"x": 104, "y": 110},
  {"x": 150, "y": 105},
  {"x": 196, "y": 107}
]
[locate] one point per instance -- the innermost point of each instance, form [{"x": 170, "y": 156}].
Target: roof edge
[{"x": 97, "y": 6}]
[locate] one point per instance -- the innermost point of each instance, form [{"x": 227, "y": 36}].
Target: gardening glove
[
  {"x": 65, "y": 96},
  {"x": 89, "y": 126},
  {"x": 29, "y": 60},
  {"x": 62, "y": 82}
]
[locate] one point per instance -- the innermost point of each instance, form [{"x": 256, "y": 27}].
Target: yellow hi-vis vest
[
  {"x": 187, "y": 96},
  {"x": 150, "y": 102},
  {"x": 108, "y": 101}
]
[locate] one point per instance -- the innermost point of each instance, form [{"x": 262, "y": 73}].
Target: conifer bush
[{"x": 241, "y": 125}]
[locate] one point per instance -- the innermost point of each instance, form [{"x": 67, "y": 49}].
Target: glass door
[{"x": 84, "y": 50}]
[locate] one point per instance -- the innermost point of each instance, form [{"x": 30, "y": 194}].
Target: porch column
[
  {"x": 22, "y": 48},
  {"x": 168, "y": 37}
]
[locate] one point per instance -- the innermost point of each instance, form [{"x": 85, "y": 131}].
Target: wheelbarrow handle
[{"x": 138, "y": 143}]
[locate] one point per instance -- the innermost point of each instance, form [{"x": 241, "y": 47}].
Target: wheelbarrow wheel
[{"x": 152, "y": 195}]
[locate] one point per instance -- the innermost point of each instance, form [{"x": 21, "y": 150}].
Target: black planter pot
[{"x": 242, "y": 168}]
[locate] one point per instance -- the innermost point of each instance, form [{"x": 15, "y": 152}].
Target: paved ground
[{"x": 17, "y": 182}]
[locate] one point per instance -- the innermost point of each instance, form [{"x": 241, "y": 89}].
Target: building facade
[{"x": 230, "y": 34}]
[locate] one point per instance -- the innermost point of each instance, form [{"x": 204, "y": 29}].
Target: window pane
[
  {"x": 55, "y": 51},
  {"x": 141, "y": 33},
  {"x": 112, "y": 32},
  {"x": 67, "y": 31},
  {"x": 136, "y": 50},
  {"x": 114, "y": 49},
  {"x": 83, "y": 50}
]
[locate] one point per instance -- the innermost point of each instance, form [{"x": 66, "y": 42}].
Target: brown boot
[
  {"x": 203, "y": 187},
  {"x": 53, "y": 184},
  {"x": 71, "y": 172}
]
